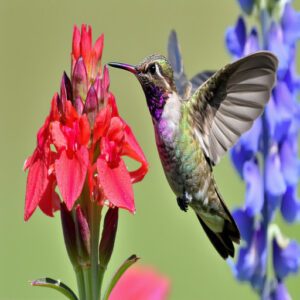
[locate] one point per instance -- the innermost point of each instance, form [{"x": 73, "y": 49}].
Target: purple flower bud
[
  {"x": 80, "y": 80},
  {"x": 84, "y": 231},
  {"x": 68, "y": 226},
  {"x": 78, "y": 104},
  {"x": 108, "y": 236},
  {"x": 91, "y": 105},
  {"x": 65, "y": 91}
]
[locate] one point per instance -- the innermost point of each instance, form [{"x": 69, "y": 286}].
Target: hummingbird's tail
[{"x": 221, "y": 239}]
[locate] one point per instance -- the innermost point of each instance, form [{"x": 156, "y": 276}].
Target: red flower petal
[
  {"x": 86, "y": 43},
  {"x": 116, "y": 131},
  {"x": 105, "y": 80},
  {"x": 102, "y": 123},
  {"x": 37, "y": 182},
  {"x": 43, "y": 134},
  {"x": 76, "y": 43},
  {"x": 140, "y": 283},
  {"x": 116, "y": 184},
  {"x": 132, "y": 149},
  {"x": 98, "y": 48},
  {"x": 84, "y": 130},
  {"x": 50, "y": 201},
  {"x": 112, "y": 103},
  {"x": 54, "y": 113},
  {"x": 71, "y": 171},
  {"x": 70, "y": 114},
  {"x": 65, "y": 92},
  {"x": 58, "y": 137}
]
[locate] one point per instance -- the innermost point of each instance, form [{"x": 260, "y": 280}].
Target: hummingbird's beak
[{"x": 126, "y": 67}]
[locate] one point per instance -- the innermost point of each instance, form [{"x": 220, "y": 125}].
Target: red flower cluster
[{"x": 83, "y": 140}]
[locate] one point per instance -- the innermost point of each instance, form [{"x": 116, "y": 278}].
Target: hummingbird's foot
[{"x": 184, "y": 201}]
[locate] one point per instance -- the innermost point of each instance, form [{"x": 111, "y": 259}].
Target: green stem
[
  {"x": 101, "y": 275},
  {"x": 95, "y": 216},
  {"x": 88, "y": 283},
  {"x": 80, "y": 283}
]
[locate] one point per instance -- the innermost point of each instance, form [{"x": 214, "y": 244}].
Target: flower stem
[
  {"x": 101, "y": 272},
  {"x": 87, "y": 283},
  {"x": 80, "y": 283},
  {"x": 95, "y": 218}
]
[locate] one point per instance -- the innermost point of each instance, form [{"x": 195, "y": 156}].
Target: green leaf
[
  {"x": 56, "y": 285},
  {"x": 126, "y": 264}
]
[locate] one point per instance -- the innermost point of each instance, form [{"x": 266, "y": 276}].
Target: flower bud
[
  {"x": 69, "y": 233},
  {"x": 108, "y": 236}
]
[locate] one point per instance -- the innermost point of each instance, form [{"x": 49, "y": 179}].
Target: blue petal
[
  {"x": 251, "y": 138},
  {"x": 245, "y": 224},
  {"x": 276, "y": 45},
  {"x": 280, "y": 293},
  {"x": 252, "y": 44},
  {"x": 239, "y": 155},
  {"x": 235, "y": 38},
  {"x": 291, "y": 24},
  {"x": 283, "y": 100},
  {"x": 273, "y": 203},
  {"x": 247, "y": 6},
  {"x": 254, "y": 187},
  {"x": 286, "y": 258},
  {"x": 245, "y": 265},
  {"x": 277, "y": 125},
  {"x": 289, "y": 160},
  {"x": 275, "y": 184},
  {"x": 258, "y": 277},
  {"x": 290, "y": 205},
  {"x": 251, "y": 263}
]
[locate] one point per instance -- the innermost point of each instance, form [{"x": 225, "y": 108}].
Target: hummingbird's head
[{"x": 156, "y": 77}]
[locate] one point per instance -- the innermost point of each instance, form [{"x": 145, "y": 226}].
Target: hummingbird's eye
[{"x": 152, "y": 69}]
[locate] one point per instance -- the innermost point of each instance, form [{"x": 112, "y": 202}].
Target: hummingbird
[{"x": 196, "y": 121}]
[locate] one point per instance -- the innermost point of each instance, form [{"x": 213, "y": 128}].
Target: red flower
[
  {"x": 141, "y": 283},
  {"x": 83, "y": 140}
]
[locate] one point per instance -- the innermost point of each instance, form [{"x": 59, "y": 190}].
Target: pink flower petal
[
  {"x": 71, "y": 169},
  {"x": 140, "y": 283},
  {"x": 116, "y": 184},
  {"x": 37, "y": 182}
]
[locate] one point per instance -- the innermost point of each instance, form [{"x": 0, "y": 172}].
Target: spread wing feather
[
  {"x": 226, "y": 105},
  {"x": 184, "y": 86}
]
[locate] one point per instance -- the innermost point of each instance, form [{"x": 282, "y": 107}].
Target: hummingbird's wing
[
  {"x": 184, "y": 86},
  {"x": 175, "y": 59},
  {"x": 226, "y": 105},
  {"x": 199, "y": 78}
]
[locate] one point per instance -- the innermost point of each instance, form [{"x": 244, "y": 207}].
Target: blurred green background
[{"x": 35, "y": 50}]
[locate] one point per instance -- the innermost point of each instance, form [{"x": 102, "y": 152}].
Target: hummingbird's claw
[{"x": 183, "y": 203}]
